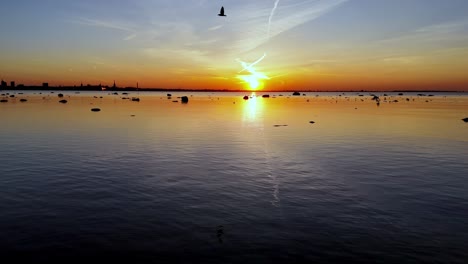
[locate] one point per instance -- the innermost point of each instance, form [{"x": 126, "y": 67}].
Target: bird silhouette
[{"x": 221, "y": 12}]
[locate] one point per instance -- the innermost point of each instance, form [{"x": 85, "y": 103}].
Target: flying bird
[{"x": 221, "y": 12}]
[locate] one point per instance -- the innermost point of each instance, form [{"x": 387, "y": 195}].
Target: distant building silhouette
[
  {"x": 4, "y": 84},
  {"x": 12, "y": 84},
  {"x": 114, "y": 86},
  {"x": 45, "y": 85}
]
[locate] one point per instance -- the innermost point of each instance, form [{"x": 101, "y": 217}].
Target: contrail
[
  {"x": 248, "y": 66},
  {"x": 255, "y": 76},
  {"x": 271, "y": 16}
]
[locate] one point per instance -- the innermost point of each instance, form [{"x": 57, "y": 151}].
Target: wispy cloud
[
  {"x": 215, "y": 28},
  {"x": 101, "y": 23},
  {"x": 114, "y": 25},
  {"x": 253, "y": 27},
  {"x": 436, "y": 32}
]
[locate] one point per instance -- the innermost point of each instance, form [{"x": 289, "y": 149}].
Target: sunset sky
[{"x": 311, "y": 44}]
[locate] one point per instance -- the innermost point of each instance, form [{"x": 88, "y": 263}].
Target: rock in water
[
  {"x": 60, "y": 95},
  {"x": 312, "y": 122},
  {"x": 465, "y": 119},
  {"x": 95, "y": 109},
  {"x": 4, "y": 101},
  {"x": 23, "y": 100},
  {"x": 266, "y": 96},
  {"x": 184, "y": 99},
  {"x": 63, "y": 101},
  {"x": 246, "y": 97},
  {"x": 296, "y": 93}
]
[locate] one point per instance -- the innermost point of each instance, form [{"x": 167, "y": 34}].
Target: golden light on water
[{"x": 253, "y": 109}]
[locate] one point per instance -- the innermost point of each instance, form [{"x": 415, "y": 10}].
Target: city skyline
[{"x": 303, "y": 45}]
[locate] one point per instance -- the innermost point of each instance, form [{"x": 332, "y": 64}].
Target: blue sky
[{"x": 186, "y": 41}]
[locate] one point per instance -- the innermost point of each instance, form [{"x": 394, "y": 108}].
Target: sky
[{"x": 182, "y": 44}]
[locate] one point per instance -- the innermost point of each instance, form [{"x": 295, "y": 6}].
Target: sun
[{"x": 252, "y": 81}]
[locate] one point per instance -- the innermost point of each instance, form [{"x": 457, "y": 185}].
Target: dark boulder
[
  {"x": 12, "y": 96},
  {"x": 135, "y": 99},
  {"x": 266, "y": 96},
  {"x": 63, "y": 101},
  {"x": 296, "y": 94},
  {"x": 4, "y": 101},
  {"x": 246, "y": 97},
  {"x": 312, "y": 122},
  {"x": 23, "y": 100},
  {"x": 95, "y": 109},
  {"x": 465, "y": 119},
  {"x": 60, "y": 95},
  {"x": 184, "y": 99}
]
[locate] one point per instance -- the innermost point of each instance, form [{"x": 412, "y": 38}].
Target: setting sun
[{"x": 252, "y": 81}]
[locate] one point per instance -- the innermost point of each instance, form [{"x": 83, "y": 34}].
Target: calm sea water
[{"x": 223, "y": 180}]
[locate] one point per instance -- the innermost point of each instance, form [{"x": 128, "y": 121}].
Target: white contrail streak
[
  {"x": 271, "y": 16},
  {"x": 249, "y": 66},
  {"x": 255, "y": 76}
]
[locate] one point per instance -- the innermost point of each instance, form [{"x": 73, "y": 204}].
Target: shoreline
[{"x": 127, "y": 89}]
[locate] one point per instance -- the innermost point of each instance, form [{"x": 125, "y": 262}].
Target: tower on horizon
[
  {"x": 4, "y": 84},
  {"x": 12, "y": 84},
  {"x": 114, "y": 86}
]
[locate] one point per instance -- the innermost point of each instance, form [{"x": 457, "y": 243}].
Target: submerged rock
[
  {"x": 63, "y": 101},
  {"x": 95, "y": 109}
]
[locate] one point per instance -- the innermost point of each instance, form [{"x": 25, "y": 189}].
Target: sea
[{"x": 333, "y": 177}]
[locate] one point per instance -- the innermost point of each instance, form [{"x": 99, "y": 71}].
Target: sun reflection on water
[{"x": 253, "y": 108}]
